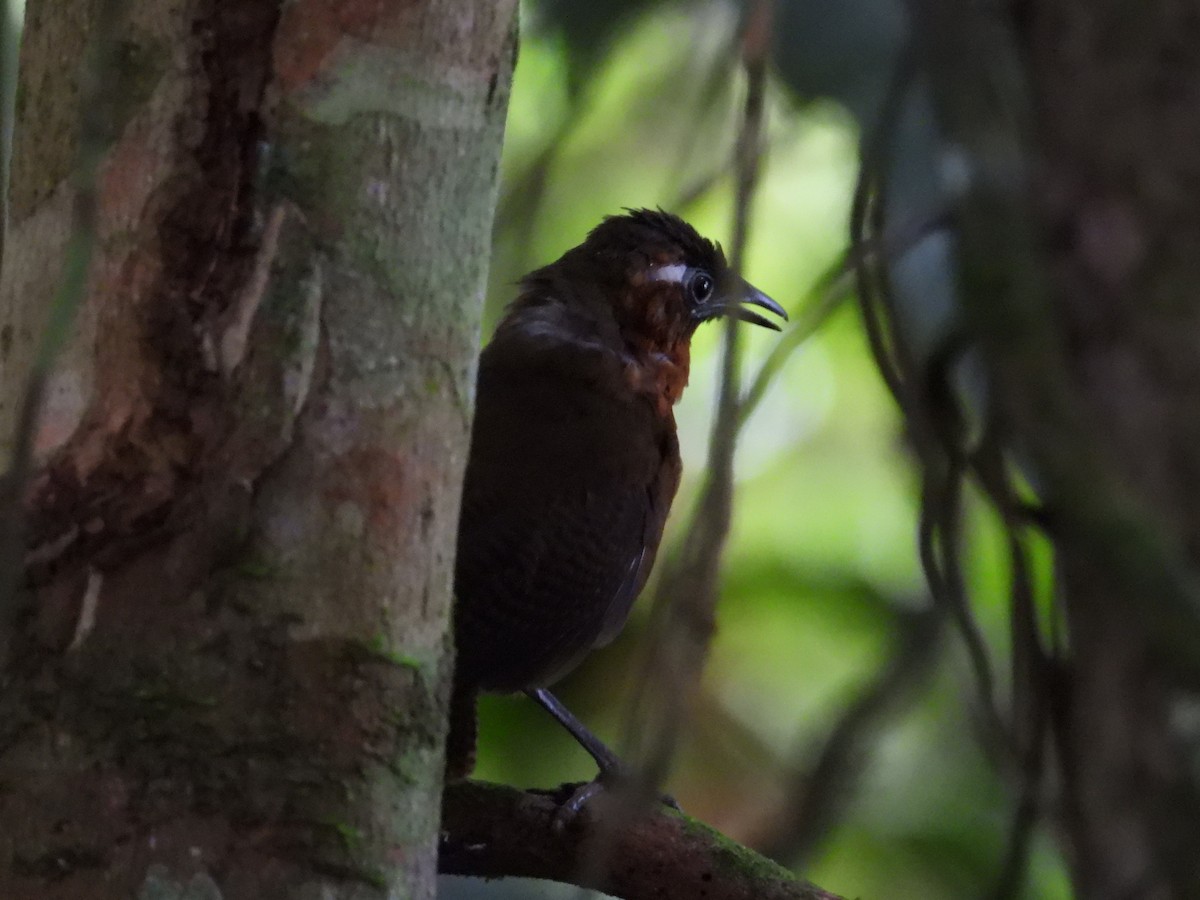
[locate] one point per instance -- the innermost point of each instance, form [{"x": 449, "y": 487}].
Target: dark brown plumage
[{"x": 574, "y": 459}]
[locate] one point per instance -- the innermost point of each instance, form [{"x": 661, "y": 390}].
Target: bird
[{"x": 574, "y": 459}]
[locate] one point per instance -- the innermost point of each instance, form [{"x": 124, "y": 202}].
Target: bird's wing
[
  {"x": 659, "y": 495},
  {"x": 561, "y": 517},
  {"x": 541, "y": 575}
]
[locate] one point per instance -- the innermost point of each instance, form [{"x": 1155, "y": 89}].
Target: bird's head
[
  {"x": 651, "y": 278},
  {"x": 663, "y": 279}
]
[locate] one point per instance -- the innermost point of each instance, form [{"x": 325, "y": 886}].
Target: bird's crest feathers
[{"x": 657, "y": 233}]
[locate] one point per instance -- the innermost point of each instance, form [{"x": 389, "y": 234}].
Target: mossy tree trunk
[{"x": 228, "y": 671}]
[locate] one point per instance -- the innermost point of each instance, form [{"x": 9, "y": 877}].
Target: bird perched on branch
[{"x": 574, "y": 459}]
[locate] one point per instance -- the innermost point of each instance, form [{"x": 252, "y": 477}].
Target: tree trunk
[
  {"x": 1117, "y": 124},
  {"x": 228, "y": 674},
  {"x": 1085, "y": 303}
]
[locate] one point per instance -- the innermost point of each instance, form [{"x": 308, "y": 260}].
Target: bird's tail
[{"x": 460, "y": 742}]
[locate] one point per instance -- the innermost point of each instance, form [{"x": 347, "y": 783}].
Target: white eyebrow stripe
[{"x": 673, "y": 273}]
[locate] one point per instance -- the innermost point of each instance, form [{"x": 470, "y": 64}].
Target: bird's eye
[{"x": 701, "y": 286}]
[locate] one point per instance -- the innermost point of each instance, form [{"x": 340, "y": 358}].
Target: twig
[
  {"x": 687, "y": 594},
  {"x": 517, "y": 211},
  {"x": 865, "y": 208},
  {"x": 1029, "y": 701},
  {"x": 702, "y": 185},
  {"x": 820, "y": 787},
  {"x": 920, "y": 389},
  {"x": 833, "y": 288},
  {"x": 831, "y": 293},
  {"x": 946, "y": 501},
  {"x": 713, "y": 95},
  {"x": 929, "y": 407},
  {"x": 682, "y": 619},
  {"x": 1031, "y": 664},
  {"x": 493, "y": 831}
]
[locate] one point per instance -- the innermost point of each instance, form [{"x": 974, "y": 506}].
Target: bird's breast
[{"x": 660, "y": 375}]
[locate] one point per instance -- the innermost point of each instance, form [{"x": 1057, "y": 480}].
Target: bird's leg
[{"x": 609, "y": 763}]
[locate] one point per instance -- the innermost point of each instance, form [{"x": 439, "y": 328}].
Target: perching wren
[{"x": 574, "y": 458}]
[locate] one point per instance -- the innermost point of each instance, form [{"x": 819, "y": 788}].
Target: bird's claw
[
  {"x": 582, "y": 794},
  {"x": 569, "y": 810}
]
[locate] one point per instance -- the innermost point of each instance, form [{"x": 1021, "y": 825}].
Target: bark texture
[
  {"x": 1081, "y": 261},
  {"x": 229, "y": 672},
  {"x": 1117, "y": 89},
  {"x": 492, "y": 831}
]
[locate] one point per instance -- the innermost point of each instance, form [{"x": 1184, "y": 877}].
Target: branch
[{"x": 495, "y": 831}]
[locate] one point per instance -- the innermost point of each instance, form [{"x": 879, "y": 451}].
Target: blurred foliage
[
  {"x": 638, "y": 106},
  {"x": 635, "y": 103}
]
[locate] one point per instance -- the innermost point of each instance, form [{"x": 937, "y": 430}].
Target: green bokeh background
[{"x": 822, "y": 559}]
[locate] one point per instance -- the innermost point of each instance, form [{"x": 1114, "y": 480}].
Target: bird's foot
[
  {"x": 620, "y": 782},
  {"x": 613, "y": 786}
]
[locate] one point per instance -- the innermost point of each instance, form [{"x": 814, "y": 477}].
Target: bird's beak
[{"x": 732, "y": 299}]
